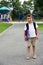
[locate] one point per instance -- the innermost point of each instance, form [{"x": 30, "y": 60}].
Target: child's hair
[{"x": 28, "y": 15}]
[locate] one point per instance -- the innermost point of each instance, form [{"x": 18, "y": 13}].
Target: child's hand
[
  {"x": 25, "y": 37},
  {"x": 37, "y": 37}
]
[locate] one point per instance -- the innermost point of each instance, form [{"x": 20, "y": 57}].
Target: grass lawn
[
  {"x": 40, "y": 26},
  {"x": 4, "y": 26}
]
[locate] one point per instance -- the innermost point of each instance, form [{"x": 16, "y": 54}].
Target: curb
[
  {"x": 21, "y": 22},
  {"x": 24, "y": 22},
  {"x": 5, "y": 30}
]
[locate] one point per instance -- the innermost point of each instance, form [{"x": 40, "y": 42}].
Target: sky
[{"x": 23, "y": 1}]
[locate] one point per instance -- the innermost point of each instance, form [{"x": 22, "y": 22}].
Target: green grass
[
  {"x": 40, "y": 26},
  {"x": 4, "y": 26}
]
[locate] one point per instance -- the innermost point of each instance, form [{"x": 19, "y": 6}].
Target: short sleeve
[
  {"x": 25, "y": 27},
  {"x": 36, "y": 25}
]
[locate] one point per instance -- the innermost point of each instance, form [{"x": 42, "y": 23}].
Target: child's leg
[
  {"x": 28, "y": 49},
  {"x": 28, "y": 53},
  {"x": 28, "y": 46},
  {"x": 34, "y": 50},
  {"x": 34, "y": 47}
]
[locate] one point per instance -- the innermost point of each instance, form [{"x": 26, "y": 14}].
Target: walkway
[{"x": 13, "y": 47}]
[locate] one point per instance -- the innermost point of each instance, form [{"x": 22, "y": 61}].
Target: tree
[
  {"x": 4, "y": 3},
  {"x": 28, "y": 6},
  {"x": 16, "y": 5},
  {"x": 39, "y": 6}
]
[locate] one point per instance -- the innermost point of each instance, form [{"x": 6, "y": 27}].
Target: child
[{"x": 32, "y": 37}]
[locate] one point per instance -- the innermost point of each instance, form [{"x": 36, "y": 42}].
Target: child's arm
[
  {"x": 37, "y": 33},
  {"x": 25, "y": 32}
]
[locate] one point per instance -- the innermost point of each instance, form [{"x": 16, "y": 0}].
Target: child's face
[{"x": 29, "y": 19}]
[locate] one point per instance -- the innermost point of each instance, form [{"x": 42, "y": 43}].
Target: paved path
[{"x": 13, "y": 47}]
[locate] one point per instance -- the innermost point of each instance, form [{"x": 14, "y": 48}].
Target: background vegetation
[
  {"x": 26, "y": 7},
  {"x": 4, "y": 26}
]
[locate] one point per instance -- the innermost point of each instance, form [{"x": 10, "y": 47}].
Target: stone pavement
[{"x": 13, "y": 47}]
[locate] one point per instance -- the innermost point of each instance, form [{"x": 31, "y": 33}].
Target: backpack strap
[
  {"x": 34, "y": 25},
  {"x": 27, "y": 26}
]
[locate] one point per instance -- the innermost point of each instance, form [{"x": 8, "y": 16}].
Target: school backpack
[
  {"x": 26, "y": 31},
  {"x": 34, "y": 24}
]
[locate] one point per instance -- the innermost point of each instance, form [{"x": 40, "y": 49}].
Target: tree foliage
[
  {"x": 39, "y": 6},
  {"x": 4, "y": 3},
  {"x": 24, "y": 8}
]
